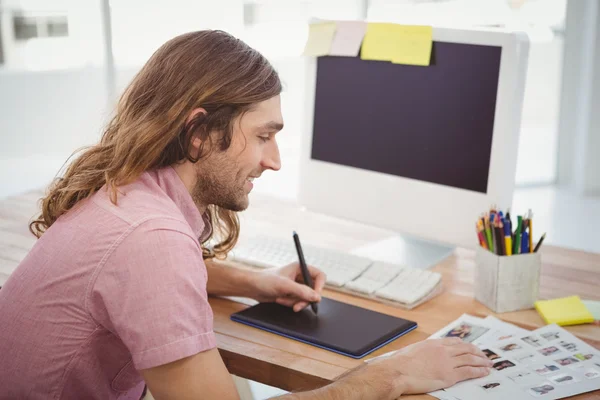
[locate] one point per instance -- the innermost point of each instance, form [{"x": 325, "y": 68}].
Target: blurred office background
[{"x": 63, "y": 64}]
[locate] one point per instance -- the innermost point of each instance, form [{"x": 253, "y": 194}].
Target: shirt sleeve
[{"x": 151, "y": 293}]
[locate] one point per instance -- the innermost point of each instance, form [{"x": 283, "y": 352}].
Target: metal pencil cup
[{"x": 507, "y": 283}]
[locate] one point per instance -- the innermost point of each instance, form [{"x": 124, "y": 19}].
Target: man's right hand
[
  {"x": 436, "y": 364},
  {"x": 419, "y": 368}
]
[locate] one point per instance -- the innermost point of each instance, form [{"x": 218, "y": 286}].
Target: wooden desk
[
  {"x": 291, "y": 365},
  {"x": 294, "y": 366}
]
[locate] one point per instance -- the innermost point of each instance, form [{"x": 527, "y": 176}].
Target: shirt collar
[{"x": 174, "y": 187}]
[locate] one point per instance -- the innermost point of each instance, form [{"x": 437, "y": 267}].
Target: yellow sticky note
[
  {"x": 320, "y": 37},
  {"x": 564, "y": 311},
  {"x": 413, "y": 45},
  {"x": 379, "y": 42}
]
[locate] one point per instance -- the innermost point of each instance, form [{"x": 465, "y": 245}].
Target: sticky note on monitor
[
  {"x": 413, "y": 45},
  {"x": 320, "y": 37},
  {"x": 348, "y": 38},
  {"x": 400, "y": 44},
  {"x": 379, "y": 42}
]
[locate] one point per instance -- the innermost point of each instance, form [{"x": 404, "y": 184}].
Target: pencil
[
  {"x": 480, "y": 235},
  {"x": 500, "y": 234},
  {"x": 493, "y": 229},
  {"x": 517, "y": 241},
  {"x": 488, "y": 233},
  {"x": 507, "y": 238}
]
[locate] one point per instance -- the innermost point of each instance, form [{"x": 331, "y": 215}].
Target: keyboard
[{"x": 394, "y": 284}]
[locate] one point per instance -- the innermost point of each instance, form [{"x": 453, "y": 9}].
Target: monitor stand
[{"x": 405, "y": 250}]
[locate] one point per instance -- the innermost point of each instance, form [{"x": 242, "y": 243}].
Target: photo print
[
  {"x": 591, "y": 374},
  {"x": 583, "y": 357},
  {"x": 491, "y": 386},
  {"x": 466, "y": 332},
  {"x": 500, "y": 365},
  {"x": 566, "y": 361},
  {"x": 551, "y": 336},
  {"x": 490, "y": 354},
  {"x": 541, "y": 390},
  {"x": 546, "y": 369},
  {"x": 532, "y": 341},
  {"x": 570, "y": 347},
  {"x": 511, "y": 347},
  {"x": 563, "y": 379},
  {"x": 548, "y": 351}
]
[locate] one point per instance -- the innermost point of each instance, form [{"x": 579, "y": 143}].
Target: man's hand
[
  {"x": 420, "y": 368},
  {"x": 283, "y": 286},
  {"x": 436, "y": 364}
]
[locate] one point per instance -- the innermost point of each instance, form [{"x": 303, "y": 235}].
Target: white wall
[
  {"x": 538, "y": 139},
  {"x": 45, "y": 116}
]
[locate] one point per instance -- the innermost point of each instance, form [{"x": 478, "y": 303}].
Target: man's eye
[{"x": 265, "y": 138}]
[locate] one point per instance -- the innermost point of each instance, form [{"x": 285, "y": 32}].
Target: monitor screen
[{"x": 432, "y": 124}]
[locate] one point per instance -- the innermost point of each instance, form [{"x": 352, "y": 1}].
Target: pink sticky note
[{"x": 348, "y": 38}]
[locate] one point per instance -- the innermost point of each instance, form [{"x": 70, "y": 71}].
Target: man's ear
[{"x": 196, "y": 141}]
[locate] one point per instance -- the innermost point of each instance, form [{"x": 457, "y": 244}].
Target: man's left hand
[{"x": 284, "y": 286}]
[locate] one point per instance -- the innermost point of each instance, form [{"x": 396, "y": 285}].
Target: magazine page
[
  {"x": 477, "y": 331},
  {"x": 549, "y": 363}
]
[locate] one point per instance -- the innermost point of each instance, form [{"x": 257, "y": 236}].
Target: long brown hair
[{"x": 208, "y": 69}]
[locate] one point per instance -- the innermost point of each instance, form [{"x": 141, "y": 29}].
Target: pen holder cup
[{"x": 507, "y": 283}]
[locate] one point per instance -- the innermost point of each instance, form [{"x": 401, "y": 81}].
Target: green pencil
[{"x": 517, "y": 245}]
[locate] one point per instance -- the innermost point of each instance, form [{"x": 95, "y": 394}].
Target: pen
[
  {"x": 508, "y": 219},
  {"x": 524, "y": 227},
  {"x": 305, "y": 274},
  {"x": 537, "y": 246},
  {"x": 525, "y": 243}
]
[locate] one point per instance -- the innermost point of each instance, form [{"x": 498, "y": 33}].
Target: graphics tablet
[{"x": 339, "y": 327}]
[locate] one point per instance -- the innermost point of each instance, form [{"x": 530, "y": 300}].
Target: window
[
  {"x": 35, "y": 26},
  {"x": 39, "y": 35}
]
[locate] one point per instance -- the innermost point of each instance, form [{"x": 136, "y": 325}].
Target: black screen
[{"x": 432, "y": 123}]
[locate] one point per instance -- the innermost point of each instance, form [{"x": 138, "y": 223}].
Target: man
[{"x": 114, "y": 293}]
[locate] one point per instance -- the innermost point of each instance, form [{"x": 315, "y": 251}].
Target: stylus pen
[{"x": 305, "y": 274}]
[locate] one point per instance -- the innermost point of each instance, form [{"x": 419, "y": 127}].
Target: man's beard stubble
[{"x": 221, "y": 187}]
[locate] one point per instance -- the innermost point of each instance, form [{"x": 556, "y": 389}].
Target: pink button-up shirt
[{"x": 107, "y": 291}]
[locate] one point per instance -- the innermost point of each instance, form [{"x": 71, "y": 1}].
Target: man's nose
[{"x": 272, "y": 160}]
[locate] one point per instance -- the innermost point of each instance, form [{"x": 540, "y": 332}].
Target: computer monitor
[{"x": 422, "y": 151}]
